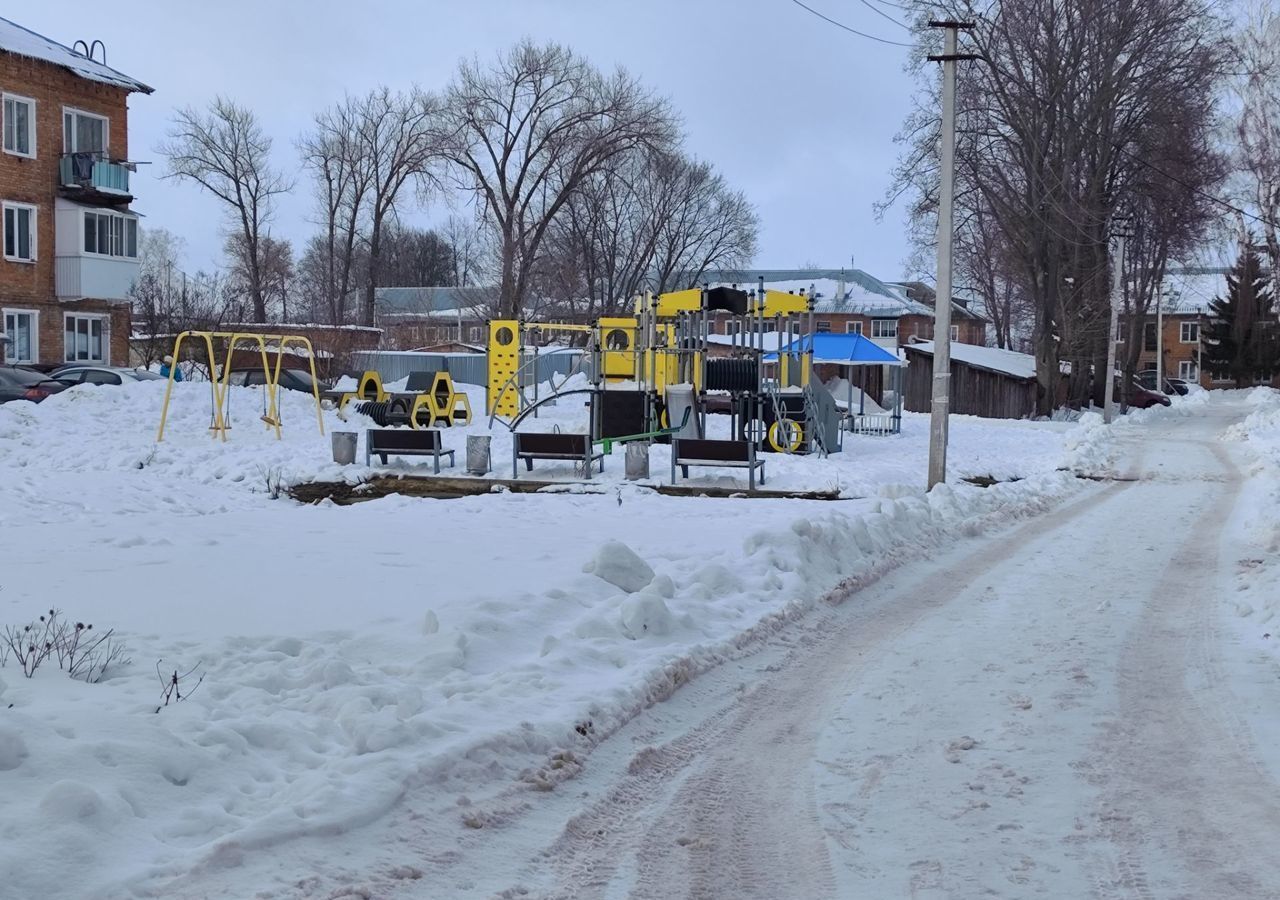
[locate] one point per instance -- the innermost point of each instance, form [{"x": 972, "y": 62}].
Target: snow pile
[
  {"x": 354, "y": 656},
  {"x": 1254, "y": 535}
]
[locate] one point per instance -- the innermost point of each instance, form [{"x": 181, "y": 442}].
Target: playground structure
[
  {"x": 656, "y": 375},
  {"x": 220, "y": 412},
  {"x": 429, "y": 399}
]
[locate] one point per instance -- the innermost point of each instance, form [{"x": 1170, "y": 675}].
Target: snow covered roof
[
  {"x": 835, "y": 291},
  {"x": 1006, "y": 362},
  {"x": 1190, "y": 290},
  {"x": 24, "y": 42},
  {"x": 431, "y": 301}
]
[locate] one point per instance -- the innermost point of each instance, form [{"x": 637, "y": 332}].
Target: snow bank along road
[{"x": 1044, "y": 713}]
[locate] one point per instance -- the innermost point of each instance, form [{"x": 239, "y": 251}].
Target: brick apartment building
[
  {"x": 1187, "y": 294},
  {"x": 70, "y": 239}
]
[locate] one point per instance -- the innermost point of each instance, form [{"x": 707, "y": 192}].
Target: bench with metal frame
[
  {"x": 686, "y": 452},
  {"x": 531, "y": 445},
  {"x": 384, "y": 442}
]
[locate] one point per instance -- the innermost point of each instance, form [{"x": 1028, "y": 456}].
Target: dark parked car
[
  {"x": 82, "y": 374},
  {"x": 1147, "y": 378},
  {"x": 290, "y": 379},
  {"x": 23, "y": 384}
]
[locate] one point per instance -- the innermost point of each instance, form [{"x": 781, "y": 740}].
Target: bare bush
[
  {"x": 171, "y": 686},
  {"x": 81, "y": 653}
]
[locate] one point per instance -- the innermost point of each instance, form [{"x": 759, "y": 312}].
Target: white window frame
[
  {"x": 877, "y": 330},
  {"x": 955, "y": 333},
  {"x": 853, "y": 328},
  {"x": 1188, "y": 370},
  {"x": 31, "y": 123},
  {"x": 123, "y": 219},
  {"x": 732, "y": 327},
  {"x": 1182, "y": 332},
  {"x": 473, "y": 334},
  {"x": 105, "y": 319},
  {"x": 7, "y": 205},
  {"x": 35, "y": 333},
  {"x": 76, "y": 111}
]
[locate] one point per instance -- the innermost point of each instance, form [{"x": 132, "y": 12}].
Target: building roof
[
  {"x": 1190, "y": 290},
  {"x": 431, "y": 302},
  {"x": 25, "y": 42},
  {"x": 1004, "y": 362},
  {"x": 835, "y": 290}
]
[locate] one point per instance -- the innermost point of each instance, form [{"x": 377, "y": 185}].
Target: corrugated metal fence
[{"x": 467, "y": 368}]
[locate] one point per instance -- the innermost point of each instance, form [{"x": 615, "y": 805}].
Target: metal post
[
  {"x": 1117, "y": 286},
  {"x": 942, "y": 303},
  {"x": 1159, "y": 339}
]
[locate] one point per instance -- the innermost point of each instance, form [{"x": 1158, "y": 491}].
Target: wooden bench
[
  {"x": 384, "y": 442},
  {"x": 550, "y": 445},
  {"x": 686, "y": 452}
]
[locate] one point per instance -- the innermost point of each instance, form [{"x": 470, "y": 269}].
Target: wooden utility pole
[{"x": 940, "y": 408}]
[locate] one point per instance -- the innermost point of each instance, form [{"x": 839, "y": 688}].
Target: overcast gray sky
[{"x": 797, "y": 113}]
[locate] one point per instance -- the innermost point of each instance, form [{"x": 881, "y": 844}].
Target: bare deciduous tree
[
  {"x": 528, "y": 129},
  {"x": 334, "y": 154},
  {"x": 225, "y": 150},
  {"x": 1071, "y": 106},
  {"x": 1258, "y": 127}
]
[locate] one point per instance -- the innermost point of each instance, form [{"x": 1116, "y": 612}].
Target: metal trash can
[
  {"x": 637, "y": 461},
  {"x": 344, "y": 447},
  {"x": 479, "y": 458}
]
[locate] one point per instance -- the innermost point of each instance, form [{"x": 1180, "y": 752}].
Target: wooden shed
[{"x": 985, "y": 381}]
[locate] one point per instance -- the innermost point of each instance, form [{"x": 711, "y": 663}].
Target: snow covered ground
[{"x": 363, "y": 662}]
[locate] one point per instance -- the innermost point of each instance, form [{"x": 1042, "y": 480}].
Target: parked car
[
  {"x": 1147, "y": 378},
  {"x": 1141, "y": 397},
  {"x": 290, "y": 379},
  {"x": 82, "y": 374},
  {"x": 17, "y": 383}
]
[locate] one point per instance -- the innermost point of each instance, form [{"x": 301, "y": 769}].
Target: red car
[{"x": 1142, "y": 398}]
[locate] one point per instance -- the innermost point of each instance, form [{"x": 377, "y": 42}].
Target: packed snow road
[{"x": 1043, "y": 713}]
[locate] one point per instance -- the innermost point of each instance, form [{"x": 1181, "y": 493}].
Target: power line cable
[
  {"x": 884, "y": 15},
  {"x": 845, "y": 27}
]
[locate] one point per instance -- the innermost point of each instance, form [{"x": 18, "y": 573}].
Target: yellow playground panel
[
  {"x": 370, "y": 389},
  {"x": 443, "y": 403},
  {"x": 218, "y": 424},
  {"x": 504, "y": 362},
  {"x": 618, "y": 347}
]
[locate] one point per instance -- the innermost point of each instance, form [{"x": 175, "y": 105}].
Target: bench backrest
[
  {"x": 727, "y": 451},
  {"x": 393, "y": 439},
  {"x": 544, "y": 442}
]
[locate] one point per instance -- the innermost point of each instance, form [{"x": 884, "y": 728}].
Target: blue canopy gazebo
[{"x": 849, "y": 350}]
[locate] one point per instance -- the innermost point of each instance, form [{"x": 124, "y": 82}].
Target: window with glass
[
  {"x": 853, "y": 328},
  {"x": 1149, "y": 337},
  {"x": 1188, "y": 370},
  {"x": 884, "y": 328},
  {"x": 85, "y": 339},
  {"x": 1190, "y": 332},
  {"x": 955, "y": 332},
  {"x": 83, "y": 132},
  {"x": 20, "y": 326},
  {"x": 20, "y": 232},
  {"x": 823, "y": 327},
  {"x": 109, "y": 234},
  {"x": 19, "y": 125}
]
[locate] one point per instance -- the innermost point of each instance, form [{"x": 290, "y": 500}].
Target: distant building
[
  {"x": 1186, "y": 295},
  {"x": 852, "y": 301},
  {"x": 413, "y": 318},
  {"x": 70, "y": 236}
]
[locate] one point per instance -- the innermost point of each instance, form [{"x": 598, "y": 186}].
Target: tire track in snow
[
  {"x": 1187, "y": 807},
  {"x": 726, "y": 809}
]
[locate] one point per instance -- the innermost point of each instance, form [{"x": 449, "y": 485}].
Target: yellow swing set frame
[{"x": 220, "y": 386}]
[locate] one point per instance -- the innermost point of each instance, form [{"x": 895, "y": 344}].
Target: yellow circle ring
[{"x": 796, "y": 431}]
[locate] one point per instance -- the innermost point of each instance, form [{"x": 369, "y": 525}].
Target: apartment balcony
[
  {"x": 96, "y": 277},
  {"x": 90, "y": 179}
]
